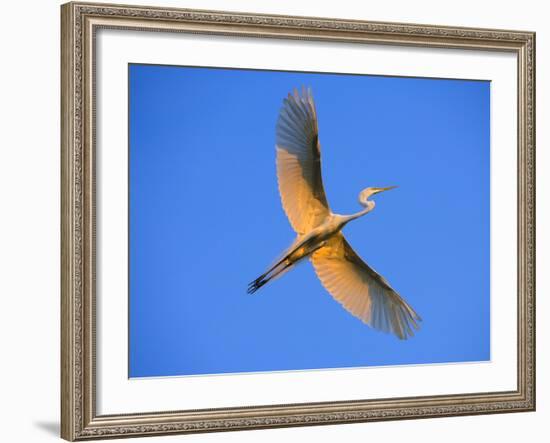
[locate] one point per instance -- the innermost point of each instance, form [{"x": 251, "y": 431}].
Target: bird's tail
[{"x": 275, "y": 271}]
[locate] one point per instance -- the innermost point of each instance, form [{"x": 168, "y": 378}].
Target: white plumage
[{"x": 353, "y": 283}]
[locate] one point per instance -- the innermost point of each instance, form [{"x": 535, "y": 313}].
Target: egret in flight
[{"x": 352, "y": 282}]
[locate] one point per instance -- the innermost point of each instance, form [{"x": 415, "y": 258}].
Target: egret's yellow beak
[{"x": 384, "y": 189}]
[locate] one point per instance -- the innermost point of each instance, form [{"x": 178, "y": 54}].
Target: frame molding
[{"x": 79, "y": 22}]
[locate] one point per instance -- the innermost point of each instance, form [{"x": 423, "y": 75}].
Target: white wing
[
  {"x": 299, "y": 163},
  {"x": 361, "y": 290}
]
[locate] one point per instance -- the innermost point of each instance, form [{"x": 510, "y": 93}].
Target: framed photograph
[{"x": 283, "y": 221}]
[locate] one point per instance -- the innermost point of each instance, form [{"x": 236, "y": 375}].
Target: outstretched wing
[
  {"x": 361, "y": 290},
  {"x": 299, "y": 163}
]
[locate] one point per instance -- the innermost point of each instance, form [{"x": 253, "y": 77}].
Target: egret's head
[{"x": 366, "y": 193}]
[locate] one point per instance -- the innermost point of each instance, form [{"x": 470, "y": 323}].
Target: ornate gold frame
[{"x": 79, "y": 22}]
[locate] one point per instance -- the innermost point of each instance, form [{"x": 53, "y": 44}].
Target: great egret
[{"x": 353, "y": 283}]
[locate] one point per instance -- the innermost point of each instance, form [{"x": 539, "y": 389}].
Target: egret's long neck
[{"x": 369, "y": 207}]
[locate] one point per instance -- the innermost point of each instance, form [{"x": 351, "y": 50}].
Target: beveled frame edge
[{"x": 78, "y": 24}]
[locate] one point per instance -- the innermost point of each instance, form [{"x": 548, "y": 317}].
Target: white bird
[{"x": 353, "y": 283}]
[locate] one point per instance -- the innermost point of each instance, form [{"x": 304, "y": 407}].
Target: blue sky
[{"x": 206, "y": 219}]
